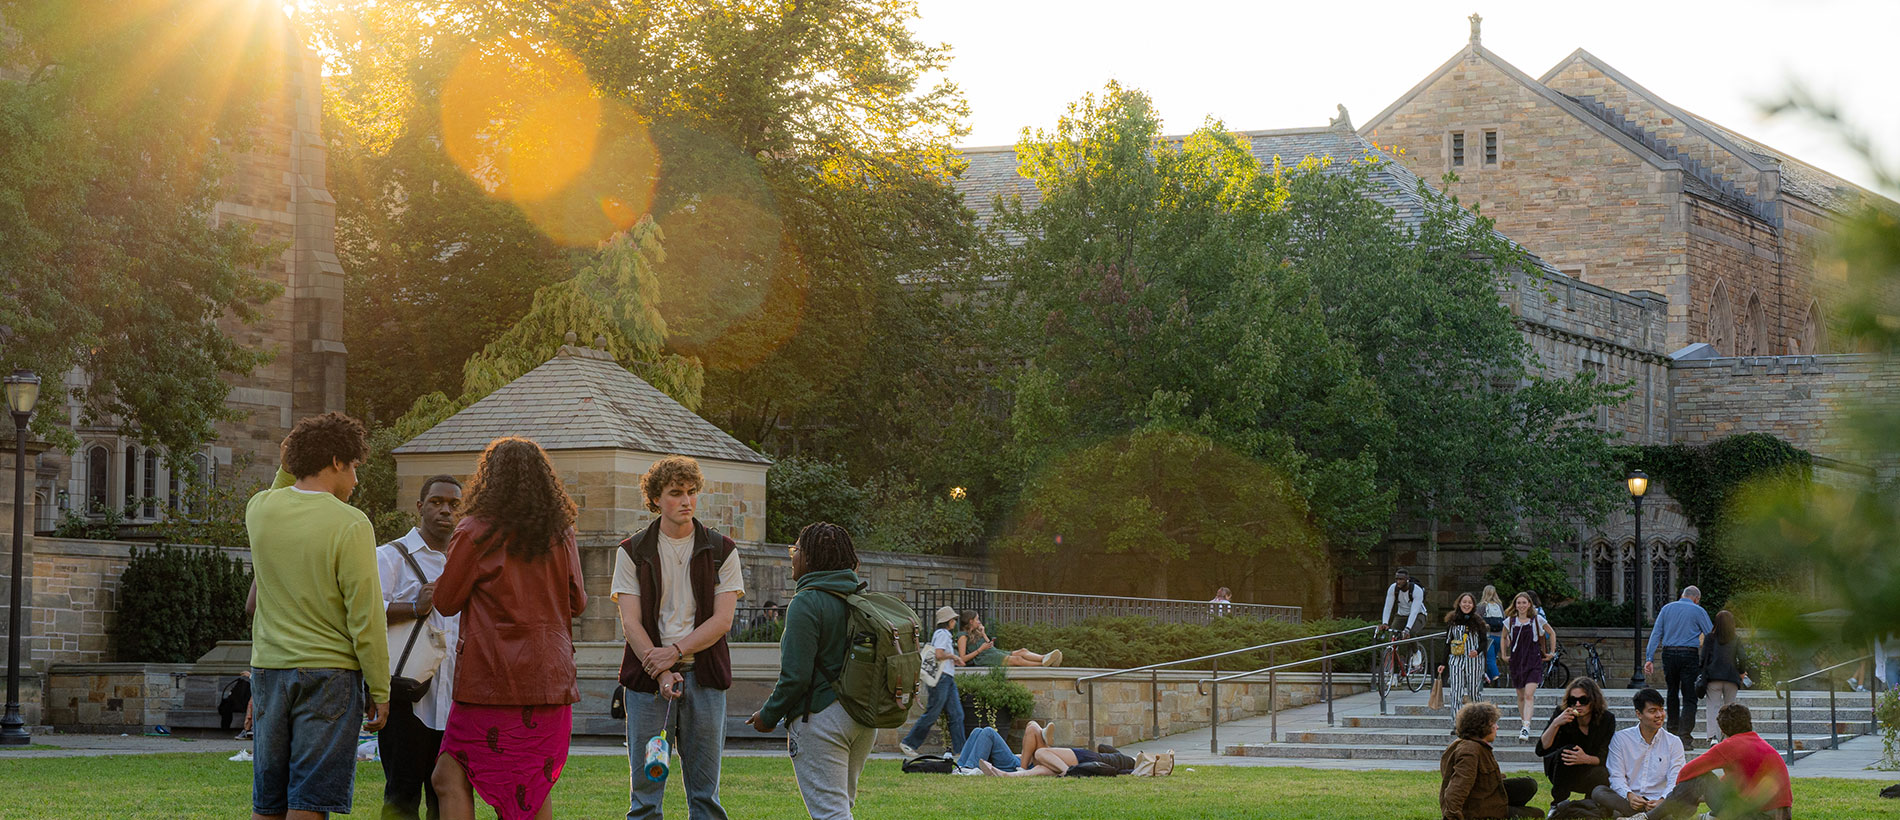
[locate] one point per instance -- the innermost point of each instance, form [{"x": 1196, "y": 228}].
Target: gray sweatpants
[{"x": 827, "y": 755}]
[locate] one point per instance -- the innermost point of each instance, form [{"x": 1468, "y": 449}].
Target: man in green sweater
[
  {"x": 318, "y": 634},
  {"x": 827, "y": 747}
]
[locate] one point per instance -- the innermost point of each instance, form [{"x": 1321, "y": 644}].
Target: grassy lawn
[{"x": 208, "y": 786}]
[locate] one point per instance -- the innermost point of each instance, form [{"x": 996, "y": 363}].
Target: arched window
[
  {"x": 1604, "y": 574},
  {"x": 1659, "y": 580},
  {"x": 1722, "y": 322},
  {"x": 1813, "y": 331},
  {"x": 98, "y": 465},
  {"x": 131, "y": 467},
  {"x": 200, "y": 481},
  {"x": 150, "y": 508},
  {"x": 1632, "y": 580},
  {"x": 1755, "y": 328}
]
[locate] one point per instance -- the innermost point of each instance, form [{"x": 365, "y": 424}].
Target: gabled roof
[
  {"x": 1567, "y": 104},
  {"x": 1803, "y": 180},
  {"x": 1694, "y": 123},
  {"x": 583, "y": 400},
  {"x": 992, "y": 176}
]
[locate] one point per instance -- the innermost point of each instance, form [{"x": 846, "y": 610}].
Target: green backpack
[{"x": 879, "y": 679}]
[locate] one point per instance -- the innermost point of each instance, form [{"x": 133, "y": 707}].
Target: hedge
[{"x": 175, "y": 603}]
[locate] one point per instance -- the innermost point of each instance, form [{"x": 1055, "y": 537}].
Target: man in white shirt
[
  {"x": 409, "y": 742},
  {"x": 676, "y": 585},
  {"x": 1404, "y": 604},
  {"x": 1644, "y": 761}
]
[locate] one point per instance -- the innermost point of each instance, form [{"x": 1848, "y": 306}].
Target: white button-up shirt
[
  {"x": 1647, "y": 768},
  {"x": 400, "y": 584}
]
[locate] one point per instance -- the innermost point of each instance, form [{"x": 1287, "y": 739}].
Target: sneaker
[
  {"x": 245, "y": 735},
  {"x": 243, "y": 756},
  {"x": 1524, "y": 734},
  {"x": 968, "y": 770},
  {"x": 1054, "y": 658},
  {"x": 907, "y": 750},
  {"x": 1855, "y": 685}
]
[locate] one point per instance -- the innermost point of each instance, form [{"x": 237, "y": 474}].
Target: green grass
[{"x": 208, "y": 786}]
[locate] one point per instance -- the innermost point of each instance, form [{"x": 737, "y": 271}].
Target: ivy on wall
[{"x": 1704, "y": 479}]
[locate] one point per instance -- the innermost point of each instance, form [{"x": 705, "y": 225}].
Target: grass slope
[{"x": 208, "y": 786}]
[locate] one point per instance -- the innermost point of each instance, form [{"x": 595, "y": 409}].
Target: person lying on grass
[
  {"x": 976, "y": 648},
  {"x": 986, "y": 749}
]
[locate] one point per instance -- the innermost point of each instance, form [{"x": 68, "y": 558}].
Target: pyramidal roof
[{"x": 583, "y": 400}]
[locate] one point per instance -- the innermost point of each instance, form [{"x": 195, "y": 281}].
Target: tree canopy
[{"x": 120, "y": 121}]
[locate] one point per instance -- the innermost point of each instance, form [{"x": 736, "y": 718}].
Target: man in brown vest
[{"x": 676, "y": 585}]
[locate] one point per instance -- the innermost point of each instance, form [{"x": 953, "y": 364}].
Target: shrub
[
  {"x": 175, "y": 603},
  {"x": 1593, "y": 612},
  {"x": 1888, "y": 713},
  {"x": 1536, "y": 571},
  {"x": 1125, "y": 642},
  {"x": 994, "y": 692},
  {"x": 805, "y": 490}
]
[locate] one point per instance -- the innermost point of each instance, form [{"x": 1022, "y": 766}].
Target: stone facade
[
  {"x": 1803, "y": 400},
  {"x": 278, "y": 188}
]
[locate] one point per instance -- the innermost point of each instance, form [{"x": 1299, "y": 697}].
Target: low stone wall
[
  {"x": 115, "y": 697},
  {"x": 75, "y": 598}
]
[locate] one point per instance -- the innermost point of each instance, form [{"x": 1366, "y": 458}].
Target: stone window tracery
[{"x": 1722, "y": 322}]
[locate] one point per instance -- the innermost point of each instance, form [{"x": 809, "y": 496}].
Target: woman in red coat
[{"x": 514, "y": 573}]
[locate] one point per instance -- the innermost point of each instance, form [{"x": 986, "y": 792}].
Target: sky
[{"x": 1262, "y": 64}]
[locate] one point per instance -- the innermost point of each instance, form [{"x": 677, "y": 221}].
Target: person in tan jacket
[{"x": 1472, "y": 786}]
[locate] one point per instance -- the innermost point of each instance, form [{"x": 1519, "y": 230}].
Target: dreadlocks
[{"x": 827, "y": 547}]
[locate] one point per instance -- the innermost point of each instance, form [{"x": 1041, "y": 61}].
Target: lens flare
[
  {"x": 612, "y": 193},
  {"x": 521, "y": 119},
  {"x": 733, "y": 288}
]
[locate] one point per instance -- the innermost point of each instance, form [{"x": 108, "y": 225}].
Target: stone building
[
  {"x": 277, "y": 186},
  {"x": 602, "y": 427},
  {"x": 1666, "y": 251}
]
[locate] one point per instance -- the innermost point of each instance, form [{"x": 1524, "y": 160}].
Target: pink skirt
[{"x": 513, "y": 754}]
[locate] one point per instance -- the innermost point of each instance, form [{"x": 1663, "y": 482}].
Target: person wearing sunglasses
[{"x": 1577, "y": 741}]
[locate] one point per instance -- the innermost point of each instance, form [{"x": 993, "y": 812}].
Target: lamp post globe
[
  {"x": 22, "y": 392},
  {"x": 1638, "y": 483}
]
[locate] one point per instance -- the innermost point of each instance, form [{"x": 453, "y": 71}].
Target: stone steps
[
  {"x": 1816, "y": 725},
  {"x": 1518, "y": 756},
  {"x": 1440, "y": 736}
]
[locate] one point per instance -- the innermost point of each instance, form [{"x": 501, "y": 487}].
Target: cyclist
[{"x": 1404, "y": 606}]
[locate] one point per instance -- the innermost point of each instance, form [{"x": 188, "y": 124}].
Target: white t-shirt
[
  {"x": 942, "y": 640},
  {"x": 400, "y": 584},
  {"x": 676, "y": 584}
]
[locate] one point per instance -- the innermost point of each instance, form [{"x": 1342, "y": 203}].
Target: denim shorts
[{"x": 305, "y": 722}]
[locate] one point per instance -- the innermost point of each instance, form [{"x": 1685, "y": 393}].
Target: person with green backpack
[{"x": 847, "y": 667}]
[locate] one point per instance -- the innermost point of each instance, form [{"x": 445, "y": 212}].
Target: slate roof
[
  {"x": 583, "y": 400},
  {"x": 993, "y": 171},
  {"x": 1806, "y": 181}
]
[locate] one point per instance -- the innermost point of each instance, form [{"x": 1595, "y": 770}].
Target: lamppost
[
  {"x": 1639, "y": 484},
  {"x": 22, "y": 392}
]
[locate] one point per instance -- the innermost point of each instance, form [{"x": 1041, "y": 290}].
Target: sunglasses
[{"x": 1576, "y": 701}]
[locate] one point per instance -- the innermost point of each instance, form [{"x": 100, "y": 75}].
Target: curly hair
[
  {"x": 1475, "y": 719},
  {"x": 1598, "y": 706},
  {"x": 516, "y": 490},
  {"x": 827, "y": 547},
  {"x": 667, "y": 472},
  {"x": 317, "y": 442},
  {"x": 1473, "y": 620}
]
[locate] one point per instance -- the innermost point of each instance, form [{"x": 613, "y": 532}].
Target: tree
[
  {"x": 1288, "y": 317},
  {"x": 120, "y": 121}
]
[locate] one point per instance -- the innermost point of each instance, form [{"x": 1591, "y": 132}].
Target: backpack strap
[
  {"x": 818, "y": 669},
  {"x": 415, "y": 631}
]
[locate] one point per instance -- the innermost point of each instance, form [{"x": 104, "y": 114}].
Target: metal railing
[
  {"x": 1833, "y": 726},
  {"x": 756, "y": 623},
  {"x": 1273, "y": 685},
  {"x": 1154, "y": 678},
  {"x": 1062, "y": 609}
]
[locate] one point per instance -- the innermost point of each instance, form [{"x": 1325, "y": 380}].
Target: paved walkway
[{"x": 1853, "y": 759}]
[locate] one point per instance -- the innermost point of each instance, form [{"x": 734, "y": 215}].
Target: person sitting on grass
[
  {"x": 1644, "y": 761},
  {"x": 976, "y": 648},
  {"x": 1576, "y": 742},
  {"x": 1754, "y": 783},
  {"x": 1471, "y": 786}
]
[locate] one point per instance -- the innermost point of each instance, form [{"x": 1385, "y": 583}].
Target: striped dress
[{"x": 1464, "y": 674}]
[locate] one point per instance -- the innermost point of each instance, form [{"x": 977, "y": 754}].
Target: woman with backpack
[{"x": 828, "y": 747}]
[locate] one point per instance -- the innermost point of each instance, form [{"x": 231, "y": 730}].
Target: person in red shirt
[{"x": 1754, "y": 783}]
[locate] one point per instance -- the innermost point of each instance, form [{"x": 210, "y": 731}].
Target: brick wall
[{"x": 1803, "y": 400}]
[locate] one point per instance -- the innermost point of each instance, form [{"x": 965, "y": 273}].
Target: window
[
  {"x": 1605, "y": 578},
  {"x": 98, "y": 463},
  {"x": 173, "y": 494},
  {"x": 151, "y": 483},
  {"x": 1813, "y": 331},
  {"x": 131, "y": 498},
  {"x": 1491, "y": 147},
  {"x": 1631, "y": 579},
  {"x": 1755, "y": 329},
  {"x": 200, "y": 480},
  {"x": 1722, "y": 322},
  {"x": 1458, "y": 149},
  {"x": 1659, "y": 582}
]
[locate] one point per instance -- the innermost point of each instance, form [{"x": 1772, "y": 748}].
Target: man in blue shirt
[{"x": 1681, "y": 627}]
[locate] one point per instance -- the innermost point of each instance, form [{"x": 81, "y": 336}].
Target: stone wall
[
  {"x": 115, "y": 697},
  {"x": 1572, "y": 325},
  {"x": 74, "y": 600},
  {"x": 1580, "y": 77},
  {"x": 1562, "y": 188},
  {"x": 1744, "y": 256},
  {"x": 1803, "y": 400}
]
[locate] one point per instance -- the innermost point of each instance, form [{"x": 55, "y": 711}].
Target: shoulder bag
[{"x": 427, "y": 654}]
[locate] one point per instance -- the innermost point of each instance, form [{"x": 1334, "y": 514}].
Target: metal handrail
[
  {"x": 1833, "y": 722},
  {"x": 1154, "y": 689},
  {"x": 1273, "y": 685}
]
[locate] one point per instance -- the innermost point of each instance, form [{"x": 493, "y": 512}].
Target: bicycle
[
  {"x": 1556, "y": 672},
  {"x": 1411, "y": 674},
  {"x": 1593, "y": 663}
]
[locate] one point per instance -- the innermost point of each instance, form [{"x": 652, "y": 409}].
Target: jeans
[
  {"x": 408, "y": 749},
  {"x": 1491, "y": 657},
  {"x": 698, "y": 735},
  {"x": 1681, "y": 665},
  {"x": 943, "y": 699},
  {"x": 305, "y": 722},
  {"x": 828, "y": 754},
  {"x": 985, "y": 744}
]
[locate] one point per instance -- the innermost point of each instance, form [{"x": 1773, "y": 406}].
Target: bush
[
  {"x": 993, "y": 692},
  {"x": 1888, "y": 713},
  {"x": 1593, "y": 612},
  {"x": 175, "y": 603},
  {"x": 805, "y": 490},
  {"x": 1536, "y": 571},
  {"x": 1126, "y": 642}
]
